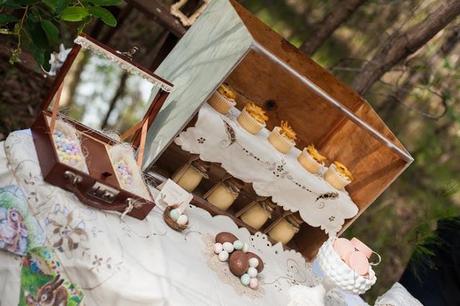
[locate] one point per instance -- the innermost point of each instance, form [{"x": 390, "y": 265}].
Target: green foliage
[
  {"x": 38, "y": 25},
  {"x": 104, "y": 14}
]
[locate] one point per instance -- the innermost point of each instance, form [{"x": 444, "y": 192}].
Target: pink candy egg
[
  {"x": 343, "y": 247},
  {"x": 358, "y": 262},
  {"x": 253, "y": 283},
  {"x": 360, "y": 246}
]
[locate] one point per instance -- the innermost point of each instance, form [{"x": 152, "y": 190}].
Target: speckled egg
[
  {"x": 228, "y": 247},
  {"x": 253, "y": 262},
  {"x": 245, "y": 279},
  {"x": 174, "y": 214},
  {"x": 253, "y": 283},
  {"x": 218, "y": 248},
  {"x": 182, "y": 220},
  {"x": 238, "y": 245},
  {"x": 260, "y": 266},
  {"x": 252, "y": 272},
  {"x": 223, "y": 256}
]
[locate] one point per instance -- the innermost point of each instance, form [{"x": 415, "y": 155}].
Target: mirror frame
[{"x": 157, "y": 101}]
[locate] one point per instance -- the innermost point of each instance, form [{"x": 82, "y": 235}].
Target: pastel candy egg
[
  {"x": 245, "y": 279},
  {"x": 238, "y": 245},
  {"x": 218, "y": 248},
  {"x": 174, "y": 214},
  {"x": 260, "y": 266},
  {"x": 252, "y": 272},
  {"x": 228, "y": 246},
  {"x": 253, "y": 262},
  {"x": 223, "y": 256},
  {"x": 182, "y": 220},
  {"x": 253, "y": 283},
  {"x": 245, "y": 247}
]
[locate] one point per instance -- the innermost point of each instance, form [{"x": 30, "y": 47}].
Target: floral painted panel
[
  {"x": 19, "y": 230},
  {"x": 42, "y": 282}
]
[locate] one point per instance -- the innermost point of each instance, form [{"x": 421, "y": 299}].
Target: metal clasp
[{"x": 74, "y": 178}]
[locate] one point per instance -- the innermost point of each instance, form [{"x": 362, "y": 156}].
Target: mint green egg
[
  {"x": 174, "y": 214},
  {"x": 238, "y": 245},
  {"x": 245, "y": 279}
]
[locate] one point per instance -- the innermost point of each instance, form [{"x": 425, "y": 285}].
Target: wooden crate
[{"x": 228, "y": 44}]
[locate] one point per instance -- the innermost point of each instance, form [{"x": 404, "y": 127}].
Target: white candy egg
[
  {"x": 182, "y": 220},
  {"x": 223, "y": 256},
  {"x": 253, "y": 283},
  {"x": 245, "y": 247},
  {"x": 218, "y": 248},
  {"x": 253, "y": 262},
  {"x": 252, "y": 272},
  {"x": 228, "y": 247}
]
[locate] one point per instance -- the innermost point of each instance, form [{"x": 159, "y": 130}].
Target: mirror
[{"x": 99, "y": 93}]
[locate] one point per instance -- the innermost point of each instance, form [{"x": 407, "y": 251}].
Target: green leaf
[
  {"x": 36, "y": 34},
  {"x": 5, "y": 19},
  {"x": 105, "y": 2},
  {"x": 74, "y": 14},
  {"x": 56, "y": 5},
  {"x": 51, "y": 31},
  {"x": 37, "y": 53},
  {"x": 104, "y": 14}
]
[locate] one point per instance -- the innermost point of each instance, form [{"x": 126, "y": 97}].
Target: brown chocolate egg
[
  {"x": 225, "y": 237},
  {"x": 238, "y": 263},
  {"x": 260, "y": 266}
]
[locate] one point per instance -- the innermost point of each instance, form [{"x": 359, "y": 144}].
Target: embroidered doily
[{"x": 251, "y": 158}]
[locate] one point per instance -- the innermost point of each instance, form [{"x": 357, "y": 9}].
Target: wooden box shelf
[{"x": 228, "y": 44}]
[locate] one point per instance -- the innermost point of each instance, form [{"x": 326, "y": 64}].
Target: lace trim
[{"x": 89, "y": 45}]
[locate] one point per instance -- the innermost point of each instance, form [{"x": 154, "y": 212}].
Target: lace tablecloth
[
  {"x": 134, "y": 262},
  {"x": 251, "y": 158}
]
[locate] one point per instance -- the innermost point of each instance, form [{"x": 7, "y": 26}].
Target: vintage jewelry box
[{"x": 99, "y": 88}]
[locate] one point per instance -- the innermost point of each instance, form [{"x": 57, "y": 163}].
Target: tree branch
[
  {"x": 342, "y": 10},
  {"x": 401, "y": 45}
]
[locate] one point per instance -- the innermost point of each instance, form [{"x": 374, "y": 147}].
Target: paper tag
[{"x": 173, "y": 194}]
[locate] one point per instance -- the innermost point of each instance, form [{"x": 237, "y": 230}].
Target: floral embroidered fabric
[{"x": 133, "y": 262}]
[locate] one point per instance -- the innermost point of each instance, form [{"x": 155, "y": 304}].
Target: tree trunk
[
  {"x": 401, "y": 45},
  {"x": 342, "y": 10},
  {"x": 388, "y": 107},
  {"x": 118, "y": 94}
]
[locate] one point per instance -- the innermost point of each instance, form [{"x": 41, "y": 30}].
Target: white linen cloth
[
  {"x": 251, "y": 158},
  {"x": 132, "y": 262},
  {"x": 397, "y": 295}
]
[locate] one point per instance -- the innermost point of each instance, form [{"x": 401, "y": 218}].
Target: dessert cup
[
  {"x": 249, "y": 123},
  {"x": 336, "y": 179},
  {"x": 308, "y": 162},
  {"x": 221, "y": 103},
  {"x": 281, "y": 143}
]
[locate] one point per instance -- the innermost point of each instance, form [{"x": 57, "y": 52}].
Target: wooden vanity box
[
  {"x": 100, "y": 187},
  {"x": 229, "y": 45}
]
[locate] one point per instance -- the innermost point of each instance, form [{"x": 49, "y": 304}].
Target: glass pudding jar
[
  {"x": 191, "y": 174},
  {"x": 258, "y": 212},
  {"x": 223, "y": 194},
  {"x": 285, "y": 228}
]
